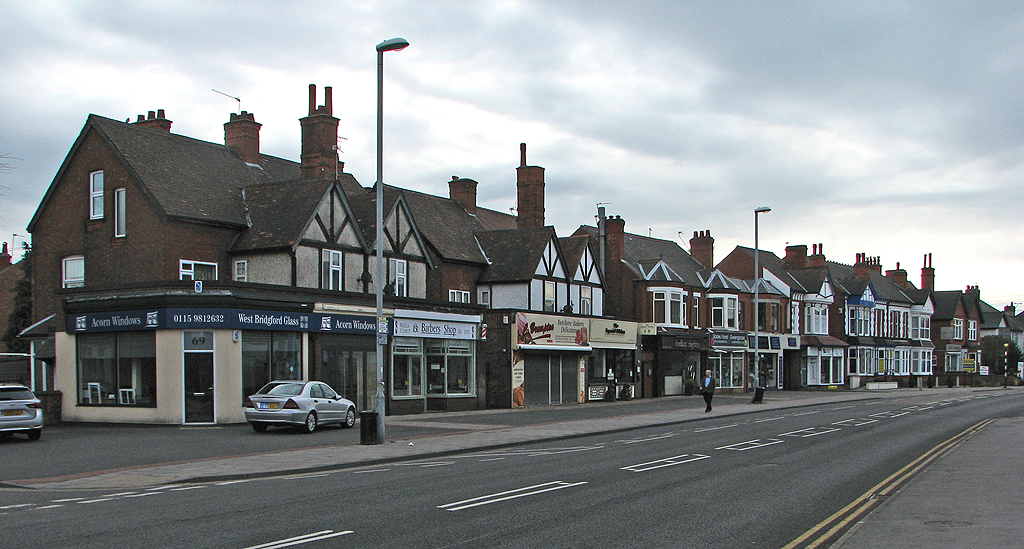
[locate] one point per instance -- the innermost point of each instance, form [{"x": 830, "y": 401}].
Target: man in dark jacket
[{"x": 707, "y": 388}]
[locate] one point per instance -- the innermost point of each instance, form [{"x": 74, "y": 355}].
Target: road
[{"x": 755, "y": 480}]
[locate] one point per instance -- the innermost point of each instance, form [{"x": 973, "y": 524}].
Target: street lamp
[
  {"x": 758, "y": 391},
  {"x": 1006, "y": 364},
  {"x": 395, "y": 44}
]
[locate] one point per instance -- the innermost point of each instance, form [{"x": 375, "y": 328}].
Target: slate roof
[
  {"x": 945, "y": 304},
  {"x": 280, "y": 212},
  {"x": 514, "y": 253},
  {"x": 640, "y": 253},
  {"x": 446, "y": 225},
  {"x": 572, "y": 251}
]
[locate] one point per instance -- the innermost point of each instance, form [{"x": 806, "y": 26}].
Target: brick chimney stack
[
  {"x": 154, "y": 120},
  {"x": 1010, "y": 309},
  {"x": 463, "y": 191},
  {"x": 866, "y": 265},
  {"x": 702, "y": 248},
  {"x": 5, "y": 258},
  {"x": 927, "y": 274},
  {"x": 897, "y": 275},
  {"x": 796, "y": 257},
  {"x": 529, "y": 193},
  {"x": 319, "y": 137},
  {"x": 817, "y": 258},
  {"x": 242, "y": 133}
]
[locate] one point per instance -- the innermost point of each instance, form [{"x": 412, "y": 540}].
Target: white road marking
[
  {"x": 666, "y": 462},
  {"x": 809, "y": 432},
  {"x": 751, "y": 444},
  {"x": 510, "y": 494},
  {"x": 706, "y": 429},
  {"x": 315, "y": 536},
  {"x": 647, "y": 439}
]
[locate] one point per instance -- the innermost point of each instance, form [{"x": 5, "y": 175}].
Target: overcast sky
[{"x": 894, "y": 129}]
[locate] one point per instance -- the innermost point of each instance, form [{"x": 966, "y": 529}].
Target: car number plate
[
  {"x": 12, "y": 412},
  {"x": 266, "y": 405}
]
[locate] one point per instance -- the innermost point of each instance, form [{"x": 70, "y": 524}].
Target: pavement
[{"x": 951, "y": 503}]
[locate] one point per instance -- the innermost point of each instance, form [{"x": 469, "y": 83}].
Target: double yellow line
[{"x": 843, "y": 518}]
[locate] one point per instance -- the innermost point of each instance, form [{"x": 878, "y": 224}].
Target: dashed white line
[
  {"x": 666, "y": 462},
  {"x": 507, "y": 495}
]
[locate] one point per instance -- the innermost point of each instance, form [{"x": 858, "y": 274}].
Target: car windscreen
[
  {"x": 15, "y": 393},
  {"x": 284, "y": 389}
]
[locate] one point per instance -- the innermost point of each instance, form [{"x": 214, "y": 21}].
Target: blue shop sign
[{"x": 227, "y": 319}]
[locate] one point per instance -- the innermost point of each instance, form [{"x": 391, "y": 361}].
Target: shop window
[
  {"x": 726, "y": 368},
  {"x": 117, "y": 369},
  {"x": 268, "y": 356},
  {"x": 448, "y": 370},
  {"x": 407, "y": 368}
]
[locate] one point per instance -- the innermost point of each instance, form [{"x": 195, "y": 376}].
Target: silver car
[
  {"x": 20, "y": 411},
  {"x": 304, "y": 404}
]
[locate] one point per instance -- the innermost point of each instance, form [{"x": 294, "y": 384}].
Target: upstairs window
[
  {"x": 549, "y": 295},
  {"x": 73, "y": 272},
  {"x": 196, "y": 270},
  {"x": 332, "y": 270},
  {"x": 120, "y": 210},
  {"x": 724, "y": 312},
  {"x": 668, "y": 307},
  {"x": 958, "y": 328},
  {"x": 96, "y": 195},
  {"x": 458, "y": 296},
  {"x": 972, "y": 330},
  {"x": 484, "y": 297},
  {"x": 816, "y": 318},
  {"x": 399, "y": 272},
  {"x": 241, "y": 270},
  {"x": 586, "y": 300}
]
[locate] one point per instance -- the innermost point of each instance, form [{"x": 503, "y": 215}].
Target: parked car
[
  {"x": 20, "y": 411},
  {"x": 303, "y": 404}
]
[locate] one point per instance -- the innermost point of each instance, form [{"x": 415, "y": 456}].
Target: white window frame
[
  {"x": 458, "y": 296},
  {"x": 241, "y": 270},
  {"x": 76, "y": 280},
  {"x": 586, "y": 300},
  {"x": 972, "y": 330},
  {"x": 335, "y": 270},
  {"x": 549, "y": 295},
  {"x": 729, "y": 311},
  {"x": 484, "y": 297},
  {"x": 120, "y": 211},
  {"x": 96, "y": 195},
  {"x": 816, "y": 318},
  {"x": 958, "y": 328},
  {"x": 400, "y": 272},
  {"x": 187, "y": 269}
]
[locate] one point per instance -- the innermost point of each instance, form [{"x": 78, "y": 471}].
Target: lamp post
[
  {"x": 395, "y": 44},
  {"x": 758, "y": 391},
  {"x": 1006, "y": 364}
]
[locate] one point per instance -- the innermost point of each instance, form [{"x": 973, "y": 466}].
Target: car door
[{"x": 332, "y": 403}]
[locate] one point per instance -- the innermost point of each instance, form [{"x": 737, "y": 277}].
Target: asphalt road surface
[{"x": 756, "y": 480}]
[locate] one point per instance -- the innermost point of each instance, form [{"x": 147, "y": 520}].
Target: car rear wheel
[
  {"x": 35, "y": 434},
  {"x": 259, "y": 427},
  {"x": 350, "y": 418},
  {"x": 311, "y": 423}
]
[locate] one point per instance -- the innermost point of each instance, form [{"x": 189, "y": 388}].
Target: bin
[
  {"x": 368, "y": 427},
  {"x": 758, "y": 395}
]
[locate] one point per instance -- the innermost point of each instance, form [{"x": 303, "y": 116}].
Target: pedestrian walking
[{"x": 707, "y": 388}]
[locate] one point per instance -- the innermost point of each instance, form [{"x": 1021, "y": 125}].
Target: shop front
[
  {"x": 613, "y": 362},
  {"x": 433, "y": 362},
  {"x": 778, "y": 354},
  {"x": 727, "y": 359},
  {"x": 822, "y": 361},
  {"x": 549, "y": 359},
  {"x": 193, "y": 366},
  {"x": 679, "y": 355}
]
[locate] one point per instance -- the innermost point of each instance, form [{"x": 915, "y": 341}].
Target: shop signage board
[
  {"x": 540, "y": 330},
  {"x": 227, "y": 319},
  {"x": 438, "y": 329},
  {"x": 613, "y": 334}
]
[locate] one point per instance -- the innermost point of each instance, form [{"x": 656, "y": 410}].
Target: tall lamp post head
[
  {"x": 395, "y": 44},
  {"x": 762, "y": 209}
]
